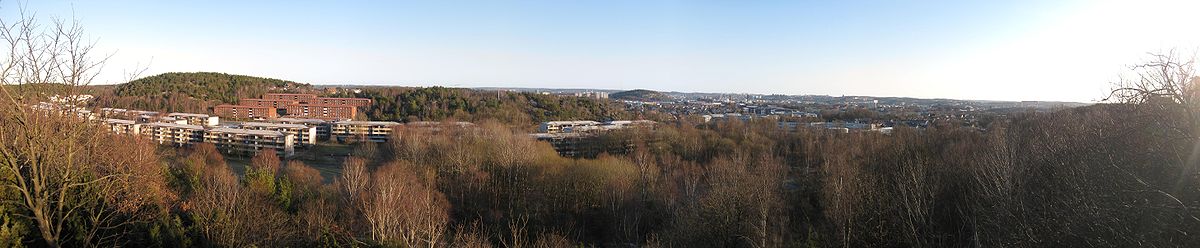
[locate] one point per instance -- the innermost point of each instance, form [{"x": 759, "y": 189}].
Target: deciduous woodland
[
  {"x": 1114, "y": 174},
  {"x": 1120, "y": 174}
]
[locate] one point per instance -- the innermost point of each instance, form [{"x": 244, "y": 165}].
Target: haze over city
[{"x": 1004, "y": 50}]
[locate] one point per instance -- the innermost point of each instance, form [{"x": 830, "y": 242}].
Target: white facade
[{"x": 304, "y": 135}]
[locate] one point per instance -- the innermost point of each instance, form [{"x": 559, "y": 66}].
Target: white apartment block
[
  {"x": 564, "y": 126},
  {"x": 374, "y": 131},
  {"x": 304, "y": 135},
  {"x": 323, "y": 127},
  {"x": 196, "y": 119},
  {"x": 172, "y": 133},
  {"x": 119, "y": 126},
  {"x": 247, "y": 141}
]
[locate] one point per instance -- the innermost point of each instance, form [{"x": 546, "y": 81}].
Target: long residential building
[
  {"x": 305, "y": 98},
  {"x": 356, "y": 102},
  {"x": 304, "y": 135},
  {"x": 120, "y": 126},
  {"x": 172, "y": 133},
  {"x": 374, "y": 131},
  {"x": 274, "y": 103},
  {"x": 322, "y": 111},
  {"x": 245, "y": 141},
  {"x": 196, "y": 119},
  {"x": 322, "y": 126},
  {"x": 244, "y": 112}
]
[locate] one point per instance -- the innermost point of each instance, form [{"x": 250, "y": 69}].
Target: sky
[{"x": 985, "y": 50}]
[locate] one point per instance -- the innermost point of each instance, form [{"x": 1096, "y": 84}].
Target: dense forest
[
  {"x": 190, "y": 91},
  {"x": 515, "y": 108},
  {"x": 640, "y": 95}
]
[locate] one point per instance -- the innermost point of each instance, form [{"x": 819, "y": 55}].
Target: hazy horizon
[{"x": 1016, "y": 51}]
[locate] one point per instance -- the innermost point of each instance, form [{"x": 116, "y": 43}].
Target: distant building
[
  {"x": 590, "y": 126},
  {"x": 120, "y": 126},
  {"x": 322, "y": 126},
  {"x": 303, "y": 135},
  {"x": 564, "y": 126},
  {"x": 303, "y": 98},
  {"x": 244, "y": 112},
  {"x": 245, "y": 141},
  {"x": 356, "y": 102},
  {"x": 374, "y": 131},
  {"x": 321, "y": 111},
  {"x": 196, "y": 119},
  {"x": 274, "y": 103},
  {"x": 173, "y": 134}
]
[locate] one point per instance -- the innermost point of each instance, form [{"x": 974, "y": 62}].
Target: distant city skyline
[{"x": 985, "y": 50}]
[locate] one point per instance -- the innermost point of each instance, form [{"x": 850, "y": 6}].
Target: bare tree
[
  {"x": 54, "y": 159},
  {"x": 401, "y": 207},
  {"x": 1165, "y": 81}
]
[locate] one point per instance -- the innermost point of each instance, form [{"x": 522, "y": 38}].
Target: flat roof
[
  {"x": 245, "y": 131},
  {"x": 238, "y": 106},
  {"x": 188, "y": 115},
  {"x": 314, "y": 121},
  {"x": 571, "y": 123},
  {"x": 174, "y": 125},
  {"x": 120, "y": 121},
  {"x": 267, "y": 124},
  {"x": 371, "y": 123}
]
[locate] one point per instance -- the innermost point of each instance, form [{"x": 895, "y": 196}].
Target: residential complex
[
  {"x": 120, "y": 126},
  {"x": 356, "y": 102},
  {"x": 322, "y": 126},
  {"x": 245, "y": 141},
  {"x": 274, "y": 103},
  {"x": 173, "y": 134},
  {"x": 244, "y": 112},
  {"x": 196, "y": 119},
  {"x": 322, "y": 111},
  {"x": 374, "y": 131},
  {"x": 291, "y": 97},
  {"x": 296, "y": 105},
  {"x": 589, "y": 126},
  {"x": 304, "y": 135}
]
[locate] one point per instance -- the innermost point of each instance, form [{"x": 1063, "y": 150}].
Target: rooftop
[
  {"x": 173, "y": 125},
  {"x": 187, "y": 115},
  {"x": 571, "y": 123},
  {"x": 120, "y": 121},
  {"x": 266, "y": 124},
  {"x": 245, "y": 131},
  {"x": 298, "y": 120},
  {"x": 368, "y": 123}
]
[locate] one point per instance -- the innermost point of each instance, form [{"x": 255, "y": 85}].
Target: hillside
[
  {"x": 640, "y": 95},
  {"x": 523, "y": 109},
  {"x": 207, "y": 86}
]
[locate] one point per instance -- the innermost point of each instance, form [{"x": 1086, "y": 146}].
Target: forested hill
[
  {"x": 207, "y": 86},
  {"x": 515, "y": 108},
  {"x": 640, "y": 95}
]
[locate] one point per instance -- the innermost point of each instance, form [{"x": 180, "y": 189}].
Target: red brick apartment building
[
  {"x": 303, "y": 98},
  {"x": 357, "y": 102},
  {"x": 244, "y": 112},
  {"x": 322, "y": 111},
  {"x": 279, "y": 104},
  {"x": 294, "y": 105}
]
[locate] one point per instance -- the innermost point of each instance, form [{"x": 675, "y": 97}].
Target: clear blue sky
[{"x": 1004, "y": 50}]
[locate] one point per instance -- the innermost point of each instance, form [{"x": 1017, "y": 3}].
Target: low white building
[
  {"x": 303, "y": 134},
  {"x": 119, "y": 126},
  {"x": 246, "y": 141},
  {"x": 196, "y": 119},
  {"x": 374, "y": 131},
  {"x": 172, "y": 133}
]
